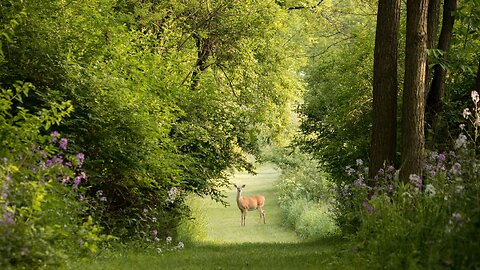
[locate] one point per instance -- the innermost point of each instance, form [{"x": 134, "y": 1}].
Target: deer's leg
[
  {"x": 262, "y": 214},
  {"x": 244, "y": 217}
]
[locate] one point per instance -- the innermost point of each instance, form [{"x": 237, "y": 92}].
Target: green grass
[
  {"x": 227, "y": 245},
  {"x": 312, "y": 255},
  {"x": 223, "y": 223}
]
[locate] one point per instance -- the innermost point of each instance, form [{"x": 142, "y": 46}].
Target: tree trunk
[
  {"x": 437, "y": 89},
  {"x": 385, "y": 87},
  {"x": 414, "y": 90},
  {"x": 432, "y": 31}
]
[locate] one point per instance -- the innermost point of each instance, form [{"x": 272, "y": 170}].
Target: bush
[
  {"x": 42, "y": 207},
  {"x": 304, "y": 194}
]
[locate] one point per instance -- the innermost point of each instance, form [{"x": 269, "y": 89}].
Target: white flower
[
  {"x": 430, "y": 190},
  {"x": 460, "y": 141},
  {"x": 159, "y": 250},
  {"x": 462, "y": 126},
  {"x": 466, "y": 113},
  {"x": 180, "y": 245},
  {"x": 475, "y": 97},
  {"x": 169, "y": 239},
  {"x": 359, "y": 162}
]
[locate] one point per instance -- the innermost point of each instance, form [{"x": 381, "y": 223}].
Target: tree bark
[
  {"x": 385, "y": 87},
  {"x": 412, "y": 138},
  {"x": 437, "y": 88},
  {"x": 432, "y": 31}
]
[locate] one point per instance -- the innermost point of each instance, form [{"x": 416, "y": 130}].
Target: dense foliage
[{"x": 163, "y": 99}]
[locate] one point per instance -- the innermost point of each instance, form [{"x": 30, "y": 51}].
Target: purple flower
[
  {"x": 65, "y": 179},
  {"x": 359, "y": 183},
  {"x": 55, "y": 135},
  {"x": 68, "y": 164},
  {"x": 76, "y": 181},
  {"x": 63, "y": 143},
  {"x": 368, "y": 207},
  {"x": 154, "y": 233},
  {"x": 8, "y": 218},
  {"x": 82, "y": 197},
  {"x": 57, "y": 159},
  {"x": 80, "y": 157},
  {"x": 442, "y": 157}
]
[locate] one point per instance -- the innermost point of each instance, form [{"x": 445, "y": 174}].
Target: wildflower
[
  {"x": 442, "y": 157},
  {"x": 99, "y": 193},
  {"x": 359, "y": 162},
  {"x": 462, "y": 126},
  {"x": 368, "y": 207},
  {"x": 416, "y": 181},
  {"x": 63, "y": 144},
  {"x": 65, "y": 179},
  {"x": 159, "y": 250},
  {"x": 180, "y": 245},
  {"x": 359, "y": 183},
  {"x": 460, "y": 141},
  {"x": 350, "y": 171},
  {"x": 346, "y": 190},
  {"x": 76, "y": 181},
  {"x": 172, "y": 194},
  {"x": 154, "y": 220},
  {"x": 103, "y": 199},
  {"x": 57, "y": 159},
  {"x": 430, "y": 190},
  {"x": 82, "y": 197},
  {"x": 55, "y": 135},
  {"x": 459, "y": 189},
  {"x": 80, "y": 157},
  {"x": 457, "y": 217},
  {"x": 154, "y": 233},
  {"x": 68, "y": 164},
  {"x": 475, "y": 97},
  {"x": 169, "y": 239},
  {"x": 8, "y": 218},
  {"x": 456, "y": 169},
  {"x": 466, "y": 113}
]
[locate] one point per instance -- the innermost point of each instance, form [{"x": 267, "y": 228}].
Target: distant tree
[{"x": 437, "y": 89}]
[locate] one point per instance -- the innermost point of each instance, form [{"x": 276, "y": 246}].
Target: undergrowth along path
[{"x": 227, "y": 245}]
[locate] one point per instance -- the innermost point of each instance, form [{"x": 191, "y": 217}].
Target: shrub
[
  {"x": 304, "y": 194},
  {"x": 42, "y": 207}
]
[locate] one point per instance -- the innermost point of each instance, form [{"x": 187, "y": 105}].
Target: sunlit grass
[{"x": 223, "y": 244}]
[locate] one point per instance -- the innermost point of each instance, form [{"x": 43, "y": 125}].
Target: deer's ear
[{"x": 243, "y": 186}]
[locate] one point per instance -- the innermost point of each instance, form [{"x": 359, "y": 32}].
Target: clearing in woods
[{"x": 230, "y": 246}]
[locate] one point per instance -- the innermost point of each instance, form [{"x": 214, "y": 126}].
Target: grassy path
[
  {"x": 230, "y": 246},
  {"x": 223, "y": 223}
]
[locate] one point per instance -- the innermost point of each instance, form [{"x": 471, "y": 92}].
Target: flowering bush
[{"x": 42, "y": 206}]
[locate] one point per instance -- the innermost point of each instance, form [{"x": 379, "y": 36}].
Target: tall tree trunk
[
  {"x": 414, "y": 90},
  {"x": 437, "y": 89},
  {"x": 432, "y": 31},
  {"x": 385, "y": 87}
]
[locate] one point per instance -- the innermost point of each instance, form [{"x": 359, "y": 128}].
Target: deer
[{"x": 250, "y": 203}]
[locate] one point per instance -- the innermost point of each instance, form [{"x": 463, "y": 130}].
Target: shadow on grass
[{"x": 327, "y": 253}]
